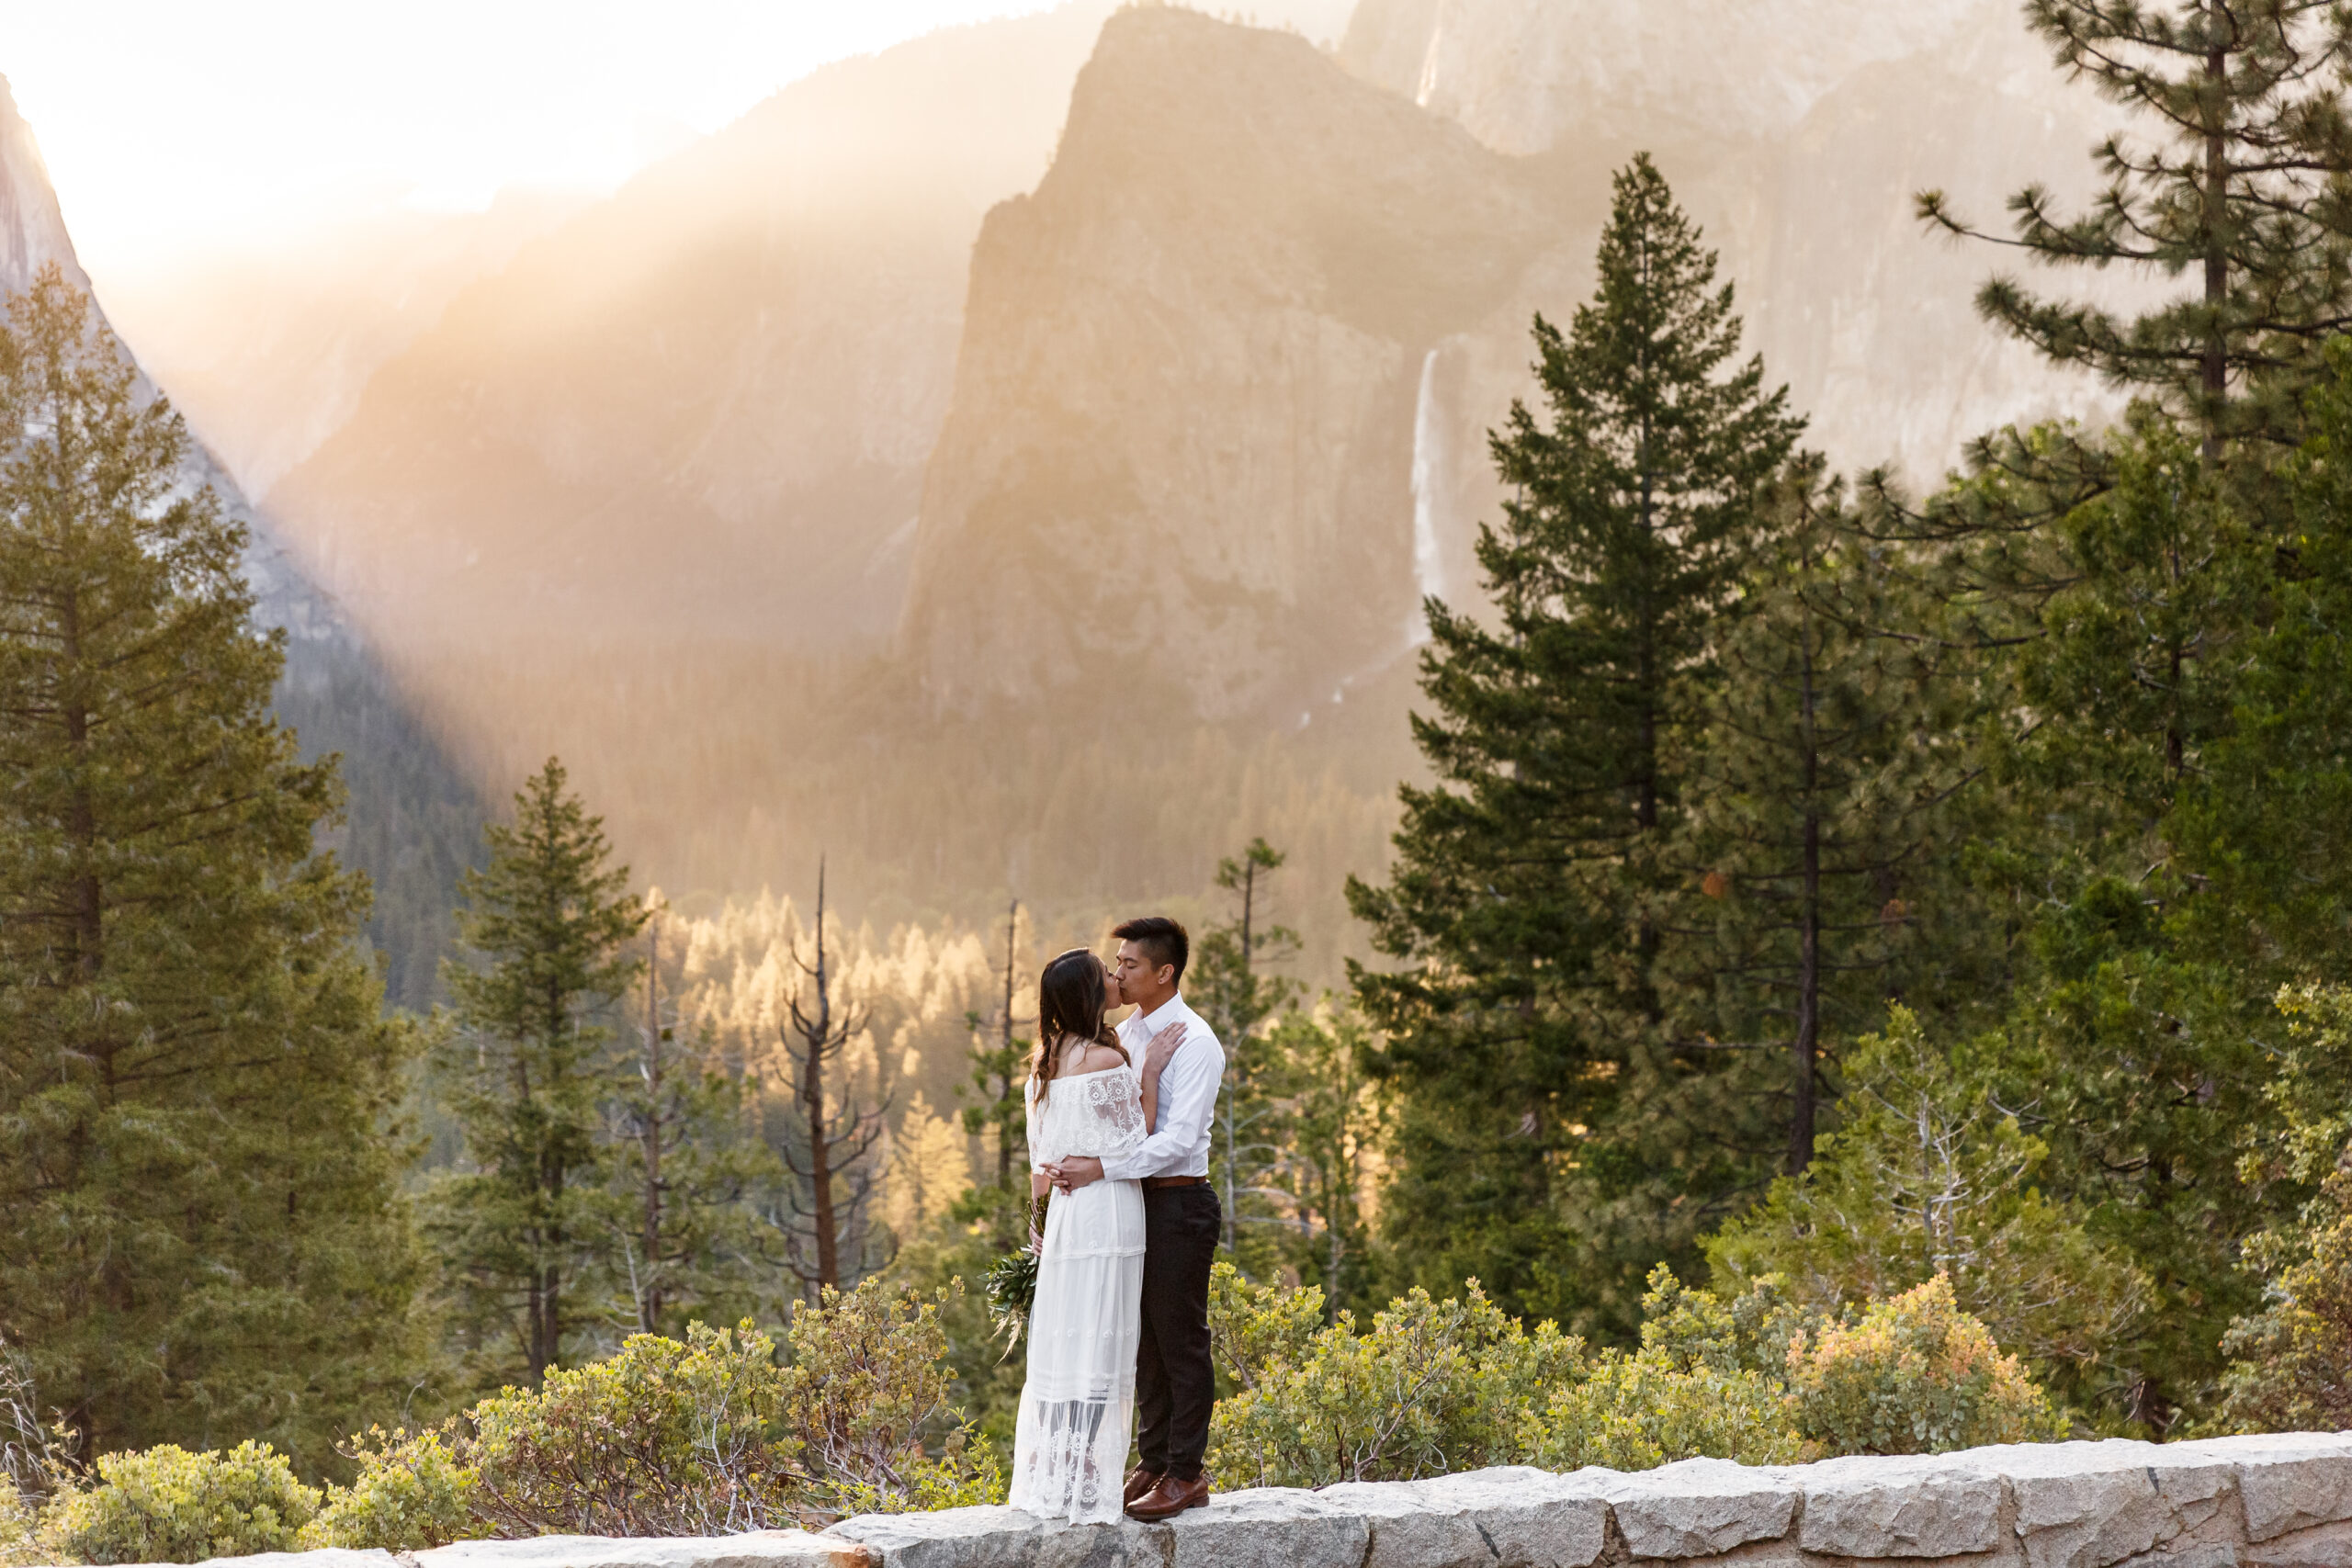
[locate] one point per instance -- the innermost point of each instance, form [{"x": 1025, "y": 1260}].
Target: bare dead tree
[{"x": 837, "y": 1177}]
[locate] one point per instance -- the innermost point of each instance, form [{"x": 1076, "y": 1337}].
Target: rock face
[
  {"x": 1183, "y": 437},
  {"x": 702, "y": 406},
  {"x": 1798, "y": 133},
  {"x": 1529, "y": 75},
  {"x": 413, "y": 822}
]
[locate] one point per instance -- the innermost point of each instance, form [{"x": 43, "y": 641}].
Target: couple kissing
[{"x": 1119, "y": 1329}]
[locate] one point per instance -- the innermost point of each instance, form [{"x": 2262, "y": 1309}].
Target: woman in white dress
[{"x": 1077, "y": 1404}]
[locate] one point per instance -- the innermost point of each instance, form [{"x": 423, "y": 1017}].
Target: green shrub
[
  {"x": 1914, "y": 1375},
  {"x": 2290, "y": 1363},
  {"x": 1435, "y": 1386},
  {"x": 167, "y": 1504},
  {"x": 707, "y": 1437},
  {"x": 664, "y": 1438},
  {"x": 411, "y": 1491},
  {"x": 1706, "y": 1382},
  {"x": 1638, "y": 1413},
  {"x": 867, "y": 1399}
]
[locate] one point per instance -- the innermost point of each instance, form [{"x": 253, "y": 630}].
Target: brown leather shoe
[
  {"x": 1170, "y": 1498},
  {"x": 1140, "y": 1480}
]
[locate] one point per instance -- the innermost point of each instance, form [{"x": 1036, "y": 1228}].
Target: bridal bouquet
[{"x": 1012, "y": 1285}]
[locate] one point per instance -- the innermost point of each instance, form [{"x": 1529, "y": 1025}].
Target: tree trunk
[
  {"x": 1805, "y": 1048},
  {"x": 2217, "y": 265},
  {"x": 813, "y": 1102},
  {"x": 650, "y": 1298},
  {"x": 1003, "y": 1120}
]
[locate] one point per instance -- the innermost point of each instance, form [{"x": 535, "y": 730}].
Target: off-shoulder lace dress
[{"x": 1077, "y": 1405}]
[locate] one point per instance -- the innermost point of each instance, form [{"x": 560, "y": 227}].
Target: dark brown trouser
[{"x": 1175, "y": 1380}]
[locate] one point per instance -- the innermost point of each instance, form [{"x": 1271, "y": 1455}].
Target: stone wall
[{"x": 2266, "y": 1502}]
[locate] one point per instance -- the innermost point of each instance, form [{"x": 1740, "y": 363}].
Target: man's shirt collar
[{"x": 1161, "y": 1018}]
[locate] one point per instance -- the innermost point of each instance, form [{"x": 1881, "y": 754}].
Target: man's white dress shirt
[{"x": 1178, "y": 1146}]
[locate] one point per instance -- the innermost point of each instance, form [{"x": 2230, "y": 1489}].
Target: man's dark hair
[{"x": 1162, "y": 939}]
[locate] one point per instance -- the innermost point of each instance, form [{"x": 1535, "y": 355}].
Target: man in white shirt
[{"x": 1175, "y": 1380}]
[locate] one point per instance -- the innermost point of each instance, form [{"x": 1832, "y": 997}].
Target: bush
[
  {"x": 867, "y": 1398},
  {"x": 167, "y": 1504},
  {"x": 1635, "y": 1413},
  {"x": 1929, "y": 1175},
  {"x": 1707, "y": 1382},
  {"x": 707, "y": 1437},
  {"x": 660, "y": 1439},
  {"x": 411, "y": 1492},
  {"x": 1435, "y": 1386},
  {"x": 1914, "y": 1375},
  {"x": 2290, "y": 1364}
]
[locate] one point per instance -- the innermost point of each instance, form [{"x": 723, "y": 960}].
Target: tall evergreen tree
[
  {"x": 2243, "y": 188},
  {"x": 2139, "y": 1022},
  {"x": 201, "y": 1236},
  {"x": 1523, "y": 903},
  {"x": 527, "y": 1071},
  {"x": 1000, "y": 1070},
  {"x": 685, "y": 1167},
  {"x": 1231, "y": 988},
  {"x": 1821, "y": 847}
]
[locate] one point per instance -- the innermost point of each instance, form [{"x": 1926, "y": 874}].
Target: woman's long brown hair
[{"x": 1069, "y": 1007}]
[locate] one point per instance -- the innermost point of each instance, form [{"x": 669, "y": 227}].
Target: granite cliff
[{"x": 1182, "y": 432}]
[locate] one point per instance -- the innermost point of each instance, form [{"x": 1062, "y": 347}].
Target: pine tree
[
  {"x": 684, "y": 1170},
  {"x": 201, "y": 1227},
  {"x": 1000, "y": 1069},
  {"x": 1229, "y": 989},
  {"x": 1819, "y": 849},
  {"x": 1522, "y": 898},
  {"x": 528, "y": 1071},
  {"x": 2243, "y": 189},
  {"x": 1327, "y": 1127},
  {"x": 2139, "y": 1024}
]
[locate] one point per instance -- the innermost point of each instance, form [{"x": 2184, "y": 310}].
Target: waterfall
[{"x": 1428, "y": 572}]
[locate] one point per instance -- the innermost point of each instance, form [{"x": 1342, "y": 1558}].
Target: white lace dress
[{"x": 1078, "y": 1406}]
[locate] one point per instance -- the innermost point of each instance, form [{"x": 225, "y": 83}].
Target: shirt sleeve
[
  {"x": 1187, "y": 1098},
  {"x": 1030, "y": 1128}
]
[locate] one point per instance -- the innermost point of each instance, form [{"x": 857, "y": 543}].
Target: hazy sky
[{"x": 171, "y": 125}]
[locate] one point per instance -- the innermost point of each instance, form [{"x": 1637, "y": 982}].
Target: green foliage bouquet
[{"x": 1012, "y": 1282}]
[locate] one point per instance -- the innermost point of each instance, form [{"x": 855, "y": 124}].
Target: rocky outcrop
[
  {"x": 1798, "y": 133},
  {"x": 1182, "y": 440},
  {"x": 1248, "y": 337},
  {"x": 2281, "y": 1501},
  {"x": 1531, "y": 75}
]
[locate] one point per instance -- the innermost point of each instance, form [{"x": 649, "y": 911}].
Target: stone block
[
  {"x": 2324, "y": 1546},
  {"x": 1510, "y": 1517},
  {"x": 1911, "y": 1506},
  {"x": 2095, "y": 1505},
  {"x": 1271, "y": 1526},
  {"x": 1696, "y": 1508},
  {"x": 993, "y": 1537},
  {"x": 2291, "y": 1482},
  {"x": 1529, "y": 1518},
  {"x": 750, "y": 1549}
]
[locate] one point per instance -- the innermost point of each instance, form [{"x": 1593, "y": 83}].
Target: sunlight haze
[{"x": 171, "y": 128}]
